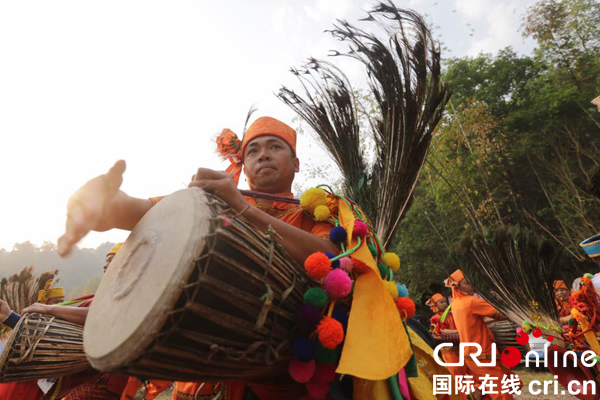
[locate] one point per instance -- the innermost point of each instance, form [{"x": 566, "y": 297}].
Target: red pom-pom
[
  {"x": 359, "y": 267},
  {"x": 302, "y": 372},
  {"x": 317, "y": 389},
  {"x": 330, "y": 332},
  {"x": 317, "y": 265},
  {"x": 360, "y": 229},
  {"x": 337, "y": 284},
  {"x": 406, "y": 307},
  {"x": 325, "y": 373}
]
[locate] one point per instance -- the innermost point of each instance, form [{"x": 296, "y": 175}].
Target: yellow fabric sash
[{"x": 376, "y": 345}]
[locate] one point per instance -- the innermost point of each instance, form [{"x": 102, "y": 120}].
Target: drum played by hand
[
  {"x": 41, "y": 347},
  {"x": 196, "y": 294}
]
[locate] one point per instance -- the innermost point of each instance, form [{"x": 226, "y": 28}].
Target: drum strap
[{"x": 445, "y": 314}]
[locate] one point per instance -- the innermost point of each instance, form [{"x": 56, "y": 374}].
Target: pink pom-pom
[
  {"x": 360, "y": 229},
  {"x": 337, "y": 284},
  {"x": 317, "y": 389},
  {"x": 325, "y": 373},
  {"x": 302, "y": 372},
  {"x": 346, "y": 264}
]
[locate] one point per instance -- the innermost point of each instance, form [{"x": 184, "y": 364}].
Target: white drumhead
[{"x": 145, "y": 279}]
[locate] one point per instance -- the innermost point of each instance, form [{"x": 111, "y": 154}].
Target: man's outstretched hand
[{"x": 92, "y": 207}]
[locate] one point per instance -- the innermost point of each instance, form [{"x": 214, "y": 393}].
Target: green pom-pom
[
  {"x": 597, "y": 358},
  {"x": 588, "y": 275},
  {"x": 571, "y": 322},
  {"x": 526, "y": 324},
  {"x": 327, "y": 356},
  {"x": 373, "y": 250},
  {"x": 383, "y": 270},
  {"x": 315, "y": 297}
]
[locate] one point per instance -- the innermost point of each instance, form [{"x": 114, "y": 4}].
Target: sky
[{"x": 84, "y": 84}]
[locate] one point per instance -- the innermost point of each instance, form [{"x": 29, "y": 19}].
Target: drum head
[{"x": 145, "y": 279}]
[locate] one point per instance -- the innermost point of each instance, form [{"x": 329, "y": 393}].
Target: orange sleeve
[
  {"x": 321, "y": 229},
  {"x": 483, "y": 308}
]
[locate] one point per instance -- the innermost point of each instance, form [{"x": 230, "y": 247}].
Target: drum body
[
  {"x": 196, "y": 294},
  {"x": 43, "y": 346}
]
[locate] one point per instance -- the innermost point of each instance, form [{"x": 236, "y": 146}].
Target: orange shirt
[
  {"x": 469, "y": 313},
  {"x": 292, "y": 214},
  {"x": 448, "y": 323},
  {"x": 564, "y": 308}
]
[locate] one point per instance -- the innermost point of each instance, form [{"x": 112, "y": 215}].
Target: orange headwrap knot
[
  {"x": 431, "y": 303},
  {"x": 454, "y": 279}
]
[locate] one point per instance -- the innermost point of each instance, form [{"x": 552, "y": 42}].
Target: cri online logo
[{"x": 511, "y": 356}]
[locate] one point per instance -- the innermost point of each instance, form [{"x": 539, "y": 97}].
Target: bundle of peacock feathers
[
  {"x": 21, "y": 289},
  {"x": 404, "y": 78},
  {"x": 514, "y": 271}
]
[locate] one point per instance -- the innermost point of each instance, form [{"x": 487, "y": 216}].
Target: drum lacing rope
[
  {"x": 267, "y": 298},
  {"x": 33, "y": 341}
]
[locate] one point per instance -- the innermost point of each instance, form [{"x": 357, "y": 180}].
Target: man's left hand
[
  {"x": 37, "y": 308},
  {"x": 220, "y": 184}
]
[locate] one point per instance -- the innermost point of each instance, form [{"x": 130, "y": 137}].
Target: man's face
[
  {"x": 442, "y": 305},
  {"x": 561, "y": 294},
  {"x": 465, "y": 287},
  {"x": 270, "y": 165},
  {"x": 109, "y": 258},
  {"x": 55, "y": 300}
]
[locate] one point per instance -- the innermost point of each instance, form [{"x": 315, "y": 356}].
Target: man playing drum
[{"x": 267, "y": 155}]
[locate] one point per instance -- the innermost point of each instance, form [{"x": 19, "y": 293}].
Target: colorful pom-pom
[
  {"x": 326, "y": 356},
  {"x": 402, "y": 290},
  {"x": 304, "y": 349},
  {"x": 330, "y": 332},
  {"x": 346, "y": 264},
  {"x": 588, "y": 275},
  {"x": 359, "y": 267},
  {"x": 337, "y": 284},
  {"x": 315, "y": 297},
  {"x": 322, "y": 213},
  {"x": 308, "y": 316},
  {"x": 338, "y": 234},
  {"x": 325, "y": 373},
  {"x": 317, "y": 265},
  {"x": 302, "y": 372},
  {"x": 317, "y": 389},
  {"x": 391, "y": 287},
  {"x": 406, "y": 307},
  {"x": 391, "y": 260},
  {"x": 360, "y": 229},
  {"x": 383, "y": 271},
  {"x": 313, "y": 198},
  {"x": 334, "y": 264},
  {"x": 341, "y": 313}
]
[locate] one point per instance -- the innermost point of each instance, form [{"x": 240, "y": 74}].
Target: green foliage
[{"x": 518, "y": 145}]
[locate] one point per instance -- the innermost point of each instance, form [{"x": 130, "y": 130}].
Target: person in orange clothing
[
  {"x": 445, "y": 326},
  {"x": 563, "y": 305},
  {"x": 469, "y": 316},
  {"x": 267, "y": 154}
]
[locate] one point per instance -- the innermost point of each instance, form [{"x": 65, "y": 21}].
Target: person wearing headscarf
[
  {"x": 469, "y": 315},
  {"x": 376, "y": 345},
  {"x": 51, "y": 295},
  {"x": 442, "y": 323},
  {"x": 563, "y": 304}
]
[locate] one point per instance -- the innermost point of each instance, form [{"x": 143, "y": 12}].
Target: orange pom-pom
[
  {"x": 330, "y": 332},
  {"x": 406, "y": 307},
  {"x": 317, "y": 265},
  {"x": 359, "y": 267}
]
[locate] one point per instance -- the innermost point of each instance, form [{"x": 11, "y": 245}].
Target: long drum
[
  {"x": 196, "y": 294},
  {"x": 42, "y": 346}
]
